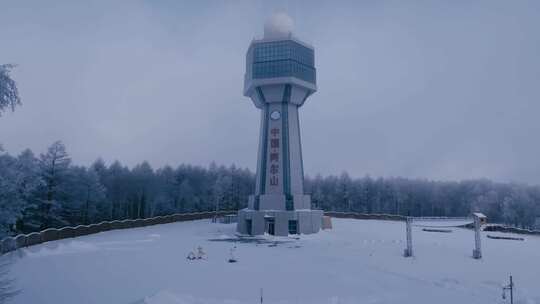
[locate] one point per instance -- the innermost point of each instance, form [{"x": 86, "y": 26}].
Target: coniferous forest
[{"x": 48, "y": 190}]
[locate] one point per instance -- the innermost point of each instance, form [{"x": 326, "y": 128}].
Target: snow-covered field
[{"x": 359, "y": 261}]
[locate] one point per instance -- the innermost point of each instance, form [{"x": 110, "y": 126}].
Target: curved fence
[
  {"x": 394, "y": 217},
  {"x": 24, "y": 240}
]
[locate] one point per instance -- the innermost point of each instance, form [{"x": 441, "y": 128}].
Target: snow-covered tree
[
  {"x": 9, "y": 94},
  {"x": 144, "y": 192},
  {"x": 19, "y": 182},
  {"x": 84, "y": 196},
  {"x": 186, "y": 196},
  {"x": 168, "y": 192},
  {"x": 116, "y": 181},
  {"x": 222, "y": 192},
  {"x": 29, "y": 182},
  {"x": 54, "y": 170},
  {"x": 10, "y": 203}
]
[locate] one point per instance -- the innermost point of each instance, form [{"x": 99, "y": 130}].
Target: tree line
[
  {"x": 39, "y": 192},
  {"x": 507, "y": 203}
]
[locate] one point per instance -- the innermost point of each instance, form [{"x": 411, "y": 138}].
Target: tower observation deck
[{"x": 280, "y": 76}]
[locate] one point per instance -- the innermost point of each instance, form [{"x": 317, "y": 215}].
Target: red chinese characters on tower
[
  {"x": 274, "y": 169},
  {"x": 274, "y": 156},
  {"x": 274, "y": 143}
]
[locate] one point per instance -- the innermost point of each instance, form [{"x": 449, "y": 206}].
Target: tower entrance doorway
[
  {"x": 248, "y": 227},
  {"x": 270, "y": 225}
]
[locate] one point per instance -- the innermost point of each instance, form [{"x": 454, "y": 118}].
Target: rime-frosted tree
[
  {"x": 116, "y": 181},
  {"x": 28, "y": 184},
  {"x": 19, "y": 182},
  {"x": 54, "y": 170},
  {"x": 9, "y": 94},
  {"x": 84, "y": 196},
  {"x": 143, "y": 194},
  {"x": 186, "y": 195},
  {"x": 9, "y": 199},
  {"x": 11, "y": 206},
  {"x": 221, "y": 192},
  {"x": 167, "y": 193},
  {"x": 343, "y": 195}
]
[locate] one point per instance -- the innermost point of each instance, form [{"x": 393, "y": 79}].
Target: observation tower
[{"x": 280, "y": 76}]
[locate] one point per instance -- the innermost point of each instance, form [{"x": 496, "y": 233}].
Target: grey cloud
[{"x": 435, "y": 90}]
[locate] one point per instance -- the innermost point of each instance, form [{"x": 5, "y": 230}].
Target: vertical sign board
[{"x": 274, "y": 156}]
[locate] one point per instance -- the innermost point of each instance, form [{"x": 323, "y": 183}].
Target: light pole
[{"x": 511, "y": 288}]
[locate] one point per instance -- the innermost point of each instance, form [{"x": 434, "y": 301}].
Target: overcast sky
[{"x": 445, "y": 90}]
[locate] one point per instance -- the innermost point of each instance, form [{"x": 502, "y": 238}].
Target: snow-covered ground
[{"x": 359, "y": 261}]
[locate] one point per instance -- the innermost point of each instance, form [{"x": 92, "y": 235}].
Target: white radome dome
[{"x": 279, "y": 25}]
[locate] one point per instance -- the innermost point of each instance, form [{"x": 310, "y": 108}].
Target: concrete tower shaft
[{"x": 280, "y": 172}]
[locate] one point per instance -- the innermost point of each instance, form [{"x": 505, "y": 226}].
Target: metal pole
[
  {"x": 511, "y": 291},
  {"x": 511, "y": 288},
  {"x": 477, "y": 252},
  {"x": 409, "y": 249},
  {"x": 261, "y": 295},
  {"x": 214, "y": 220}
]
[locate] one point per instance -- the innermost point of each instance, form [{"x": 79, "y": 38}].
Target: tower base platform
[{"x": 279, "y": 222}]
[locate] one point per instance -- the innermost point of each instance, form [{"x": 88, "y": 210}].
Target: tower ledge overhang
[
  {"x": 291, "y": 37},
  {"x": 251, "y": 84}
]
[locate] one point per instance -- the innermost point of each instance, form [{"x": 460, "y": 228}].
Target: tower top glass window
[
  {"x": 279, "y": 58},
  {"x": 282, "y": 58}
]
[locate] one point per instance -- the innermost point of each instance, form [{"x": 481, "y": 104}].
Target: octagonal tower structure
[{"x": 280, "y": 76}]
